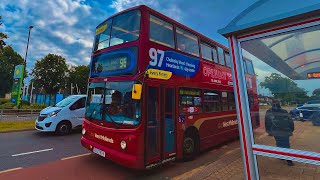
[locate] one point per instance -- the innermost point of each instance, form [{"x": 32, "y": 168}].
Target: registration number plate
[
  {"x": 301, "y": 115},
  {"x": 99, "y": 152}
]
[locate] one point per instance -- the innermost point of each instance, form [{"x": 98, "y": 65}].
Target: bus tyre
[
  {"x": 63, "y": 128},
  {"x": 190, "y": 146}
]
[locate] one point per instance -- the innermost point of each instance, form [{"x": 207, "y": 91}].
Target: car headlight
[
  {"x": 54, "y": 113},
  {"x": 123, "y": 144},
  {"x": 83, "y": 131}
]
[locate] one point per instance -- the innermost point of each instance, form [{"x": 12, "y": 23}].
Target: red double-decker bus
[{"x": 158, "y": 91}]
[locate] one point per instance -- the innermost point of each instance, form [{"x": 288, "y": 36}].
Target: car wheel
[{"x": 63, "y": 128}]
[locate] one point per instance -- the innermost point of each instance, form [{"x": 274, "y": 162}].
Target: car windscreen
[{"x": 66, "y": 101}]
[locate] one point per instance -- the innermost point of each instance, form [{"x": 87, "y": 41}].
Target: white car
[{"x": 62, "y": 117}]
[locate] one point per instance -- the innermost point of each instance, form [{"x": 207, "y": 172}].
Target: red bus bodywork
[{"x": 211, "y": 128}]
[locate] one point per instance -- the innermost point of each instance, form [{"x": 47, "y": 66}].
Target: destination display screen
[
  {"x": 112, "y": 63},
  {"x": 119, "y": 62},
  {"x": 314, "y": 75}
]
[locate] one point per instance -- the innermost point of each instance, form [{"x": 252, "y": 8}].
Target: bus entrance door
[
  {"x": 160, "y": 134},
  {"x": 168, "y": 121}
]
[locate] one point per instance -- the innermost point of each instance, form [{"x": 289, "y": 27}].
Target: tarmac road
[
  {"x": 28, "y": 148},
  {"x": 33, "y": 155}
]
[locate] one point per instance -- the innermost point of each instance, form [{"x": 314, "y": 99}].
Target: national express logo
[
  {"x": 227, "y": 123},
  {"x": 104, "y": 138}
]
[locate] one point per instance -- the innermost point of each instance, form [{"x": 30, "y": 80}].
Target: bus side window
[
  {"x": 187, "y": 42},
  {"x": 249, "y": 67},
  {"x": 250, "y": 99},
  {"x": 215, "y": 54},
  {"x": 211, "y": 101},
  {"x": 161, "y": 32},
  {"x": 231, "y": 101},
  {"x": 206, "y": 52},
  {"x": 228, "y": 60},
  {"x": 224, "y": 101},
  {"x": 221, "y": 56},
  {"x": 245, "y": 66},
  {"x": 190, "y": 101}
]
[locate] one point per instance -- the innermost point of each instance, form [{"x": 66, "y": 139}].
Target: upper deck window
[
  {"x": 227, "y": 58},
  {"x": 161, "y": 32},
  {"x": 249, "y": 67},
  {"x": 245, "y": 66},
  {"x": 206, "y": 52},
  {"x": 215, "y": 54},
  {"x": 120, "y": 29},
  {"x": 221, "y": 56},
  {"x": 187, "y": 42},
  {"x": 103, "y": 35}
]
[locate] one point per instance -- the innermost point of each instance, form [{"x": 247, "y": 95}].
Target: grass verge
[{"x": 16, "y": 125}]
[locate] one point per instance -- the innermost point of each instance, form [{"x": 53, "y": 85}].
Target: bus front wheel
[{"x": 190, "y": 146}]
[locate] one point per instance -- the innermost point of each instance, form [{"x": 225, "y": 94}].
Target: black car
[
  {"x": 307, "y": 112},
  {"x": 314, "y": 102},
  {"x": 315, "y": 118}
]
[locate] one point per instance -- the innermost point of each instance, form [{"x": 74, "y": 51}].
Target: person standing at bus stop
[{"x": 280, "y": 125}]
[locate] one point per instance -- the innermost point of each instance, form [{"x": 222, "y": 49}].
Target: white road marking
[{"x": 32, "y": 152}]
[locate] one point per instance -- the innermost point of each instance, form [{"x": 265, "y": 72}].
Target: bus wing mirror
[{"x": 136, "y": 91}]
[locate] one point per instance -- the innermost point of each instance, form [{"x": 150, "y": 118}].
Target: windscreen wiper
[
  {"x": 94, "y": 110},
  {"x": 115, "y": 123}
]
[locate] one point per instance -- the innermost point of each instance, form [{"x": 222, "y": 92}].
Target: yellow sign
[
  {"x": 159, "y": 74},
  {"x": 17, "y": 71},
  {"x": 136, "y": 91},
  {"x": 101, "y": 29}
]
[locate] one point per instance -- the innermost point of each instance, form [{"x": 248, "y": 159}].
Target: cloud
[
  {"x": 63, "y": 27},
  {"x": 166, "y": 7},
  {"x": 121, "y": 5},
  {"x": 66, "y": 27}
]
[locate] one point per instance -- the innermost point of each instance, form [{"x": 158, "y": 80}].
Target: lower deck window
[{"x": 190, "y": 101}]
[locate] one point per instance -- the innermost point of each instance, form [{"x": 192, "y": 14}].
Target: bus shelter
[{"x": 282, "y": 40}]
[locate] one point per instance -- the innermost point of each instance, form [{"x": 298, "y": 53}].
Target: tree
[
  {"x": 316, "y": 92},
  {"x": 2, "y": 37},
  {"x": 284, "y": 88},
  {"x": 78, "y": 76},
  {"x": 50, "y": 73},
  {"x": 8, "y": 60}
]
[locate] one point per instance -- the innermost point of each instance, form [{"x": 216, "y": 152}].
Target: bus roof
[
  {"x": 201, "y": 36},
  {"x": 144, "y": 7}
]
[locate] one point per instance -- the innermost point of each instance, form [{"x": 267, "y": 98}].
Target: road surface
[
  {"x": 33, "y": 155},
  {"x": 28, "y": 148}
]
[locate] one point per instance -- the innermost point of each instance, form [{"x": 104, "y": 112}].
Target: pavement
[{"x": 230, "y": 167}]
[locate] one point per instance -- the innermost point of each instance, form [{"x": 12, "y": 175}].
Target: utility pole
[
  {"x": 25, "y": 58},
  {"x": 25, "y": 61}
]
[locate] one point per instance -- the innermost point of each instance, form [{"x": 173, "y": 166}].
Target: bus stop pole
[{"x": 243, "y": 111}]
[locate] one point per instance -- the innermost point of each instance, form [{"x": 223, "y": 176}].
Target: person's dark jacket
[{"x": 278, "y": 122}]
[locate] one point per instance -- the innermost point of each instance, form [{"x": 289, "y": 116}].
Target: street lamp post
[{"x": 25, "y": 58}]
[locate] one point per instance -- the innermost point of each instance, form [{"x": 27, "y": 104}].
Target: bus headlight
[
  {"x": 123, "y": 144},
  {"x": 83, "y": 131}
]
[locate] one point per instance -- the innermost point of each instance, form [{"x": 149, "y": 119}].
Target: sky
[{"x": 66, "y": 27}]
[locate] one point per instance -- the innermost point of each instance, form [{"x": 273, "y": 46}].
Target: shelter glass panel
[{"x": 283, "y": 84}]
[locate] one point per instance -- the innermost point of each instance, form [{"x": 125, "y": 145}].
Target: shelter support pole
[{"x": 243, "y": 111}]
